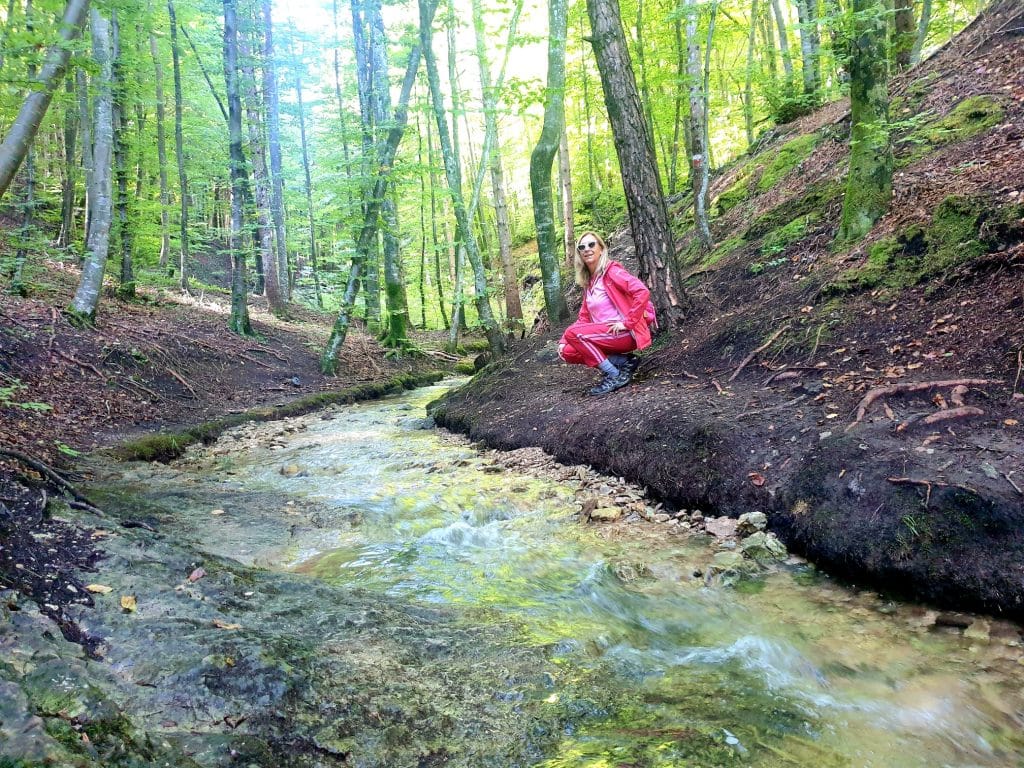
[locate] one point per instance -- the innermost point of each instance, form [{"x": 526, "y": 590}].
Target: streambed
[{"x": 376, "y": 594}]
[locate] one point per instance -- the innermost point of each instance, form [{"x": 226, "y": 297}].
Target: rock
[
  {"x": 978, "y": 630},
  {"x": 661, "y": 517},
  {"x": 721, "y": 527},
  {"x": 726, "y": 561},
  {"x": 762, "y": 546},
  {"x": 958, "y": 620},
  {"x": 750, "y": 522},
  {"x": 291, "y": 470},
  {"x": 606, "y": 514}
]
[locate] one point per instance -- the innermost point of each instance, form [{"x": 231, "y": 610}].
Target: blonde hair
[{"x": 583, "y": 275}]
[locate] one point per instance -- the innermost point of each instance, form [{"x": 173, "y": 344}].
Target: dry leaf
[
  {"x": 99, "y": 589},
  {"x": 1011, "y": 422},
  {"x": 225, "y": 625},
  {"x": 196, "y": 575},
  {"x": 128, "y": 603},
  {"x": 756, "y": 478},
  {"x": 889, "y": 412}
]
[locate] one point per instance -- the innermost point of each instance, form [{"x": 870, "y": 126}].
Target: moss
[
  {"x": 817, "y": 198},
  {"x": 740, "y": 191},
  {"x": 776, "y": 242},
  {"x": 962, "y": 229},
  {"x": 785, "y": 159},
  {"x": 722, "y": 250},
  {"x": 465, "y": 368},
  {"x": 168, "y": 446},
  {"x": 971, "y": 117}
]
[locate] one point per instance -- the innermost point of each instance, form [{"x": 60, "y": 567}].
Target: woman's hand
[{"x": 616, "y": 327}]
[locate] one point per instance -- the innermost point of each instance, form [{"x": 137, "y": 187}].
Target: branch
[
  {"x": 206, "y": 75},
  {"x": 760, "y": 349}
]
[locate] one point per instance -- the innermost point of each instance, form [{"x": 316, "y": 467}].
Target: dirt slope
[{"x": 756, "y": 402}]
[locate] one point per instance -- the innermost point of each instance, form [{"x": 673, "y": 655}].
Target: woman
[{"x": 613, "y": 320}]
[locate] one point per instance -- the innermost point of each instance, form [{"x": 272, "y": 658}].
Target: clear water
[{"x": 656, "y": 668}]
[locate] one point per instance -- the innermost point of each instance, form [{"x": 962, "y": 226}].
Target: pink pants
[{"x": 590, "y": 343}]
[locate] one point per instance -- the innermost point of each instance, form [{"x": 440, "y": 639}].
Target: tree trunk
[
  {"x": 396, "y": 330},
  {"x": 83, "y": 306},
  {"x": 435, "y": 239},
  {"x": 869, "y": 185},
  {"x": 261, "y": 183},
  {"x": 371, "y": 212},
  {"x": 807, "y": 13},
  {"x": 454, "y": 176},
  {"x": 239, "y": 321},
  {"x": 748, "y": 90},
  {"x": 21, "y": 133},
  {"x": 698, "y": 132},
  {"x": 122, "y": 230},
  {"x": 922, "y": 31},
  {"x": 904, "y": 34},
  {"x": 274, "y": 148},
  {"x": 309, "y": 194},
  {"x": 510, "y": 283},
  {"x": 541, "y": 161},
  {"x": 565, "y": 181},
  {"x": 787, "y": 59},
  {"x": 161, "y": 152},
  {"x": 69, "y": 181},
  {"x": 648, "y": 216},
  {"x": 179, "y": 151},
  {"x": 677, "y": 109}
]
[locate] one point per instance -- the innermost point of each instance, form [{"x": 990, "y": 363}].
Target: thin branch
[
  {"x": 759, "y": 350},
  {"x": 49, "y": 472}
]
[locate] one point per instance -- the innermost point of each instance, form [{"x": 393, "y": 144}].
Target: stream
[{"x": 501, "y": 631}]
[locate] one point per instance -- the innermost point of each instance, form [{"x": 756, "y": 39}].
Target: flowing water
[{"x": 643, "y": 664}]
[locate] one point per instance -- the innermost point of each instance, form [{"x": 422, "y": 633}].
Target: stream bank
[{"x": 353, "y": 588}]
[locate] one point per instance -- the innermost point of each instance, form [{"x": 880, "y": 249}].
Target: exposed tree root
[
  {"x": 948, "y": 414},
  {"x": 51, "y": 474},
  {"x": 759, "y": 350},
  {"x": 928, "y": 485},
  {"x": 912, "y": 386}
]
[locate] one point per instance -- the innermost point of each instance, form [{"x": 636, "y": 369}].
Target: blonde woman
[{"x": 614, "y": 318}]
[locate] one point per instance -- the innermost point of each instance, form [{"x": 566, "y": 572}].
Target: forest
[{"x": 293, "y": 471}]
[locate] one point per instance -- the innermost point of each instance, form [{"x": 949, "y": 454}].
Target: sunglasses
[{"x": 583, "y": 246}]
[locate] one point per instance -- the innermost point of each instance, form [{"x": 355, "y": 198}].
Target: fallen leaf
[
  {"x": 99, "y": 589},
  {"x": 756, "y": 478},
  {"x": 216, "y": 511},
  {"x": 225, "y": 625},
  {"x": 1011, "y": 422},
  {"x": 128, "y": 603},
  {"x": 196, "y": 575}
]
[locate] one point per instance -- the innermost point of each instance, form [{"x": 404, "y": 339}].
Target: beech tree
[
  {"x": 19, "y": 137},
  {"x": 869, "y": 185},
  {"x": 541, "y": 162},
  {"x": 86, "y": 299}
]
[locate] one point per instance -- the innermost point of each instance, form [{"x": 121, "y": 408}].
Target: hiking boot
[
  {"x": 611, "y": 383},
  {"x": 630, "y": 365}
]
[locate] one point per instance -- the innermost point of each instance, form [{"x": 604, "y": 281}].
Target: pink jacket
[{"x": 631, "y": 298}]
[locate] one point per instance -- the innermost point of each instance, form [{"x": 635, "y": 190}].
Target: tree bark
[
  {"x": 309, "y": 194},
  {"x": 454, "y": 176},
  {"x": 21, "y": 133},
  {"x": 69, "y": 182},
  {"x": 261, "y": 184},
  {"x": 239, "y": 321},
  {"x": 787, "y": 59},
  {"x": 565, "y": 181},
  {"x": 748, "y": 89},
  {"x": 904, "y": 33},
  {"x": 274, "y": 148},
  {"x": 124, "y": 236},
  {"x": 648, "y": 216},
  {"x": 869, "y": 185},
  {"x": 922, "y": 31},
  {"x": 179, "y": 151},
  {"x": 83, "y": 306},
  {"x": 161, "y": 152},
  {"x": 698, "y": 131},
  {"x": 541, "y": 161}
]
